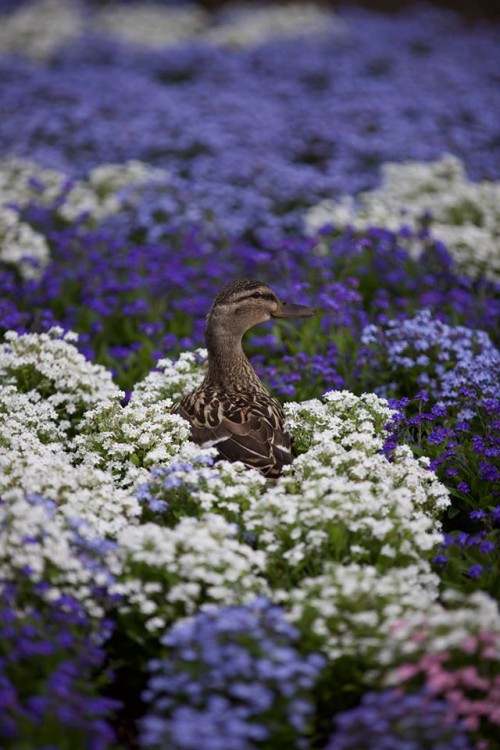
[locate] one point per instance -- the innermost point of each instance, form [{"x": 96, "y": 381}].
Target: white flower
[
  {"x": 50, "y": 364},
  {"x": 345, "y": 504},
  {"x": 244, "y": 24},
  {"x": 21, "y": 246},
  {"x": 38, "y": 28},
  {"x": 172, "y": 379},
  {"x": 128, "y": 441},
  {"x": 149, "y": 24},
  {"x": 196, "y": 563},
  {"x": 46, "y": 469},
  {"x": 53, "y": 547},
  {"x": 341, "y": 417},
  {"x": 444, "y": 626},
  {"x": 22, "y": 413},
  {"x": 107, "y": 189},
  {"x": 41, "y": 26},
  {"x": 23, "y": 181},
  {"x": 351, "y": 608},
  {"x": 464, "y": 215}
]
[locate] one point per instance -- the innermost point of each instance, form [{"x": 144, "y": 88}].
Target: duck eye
[{"x": 256, "y": 295}]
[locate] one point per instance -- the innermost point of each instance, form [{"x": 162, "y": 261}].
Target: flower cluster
[
  {"x": 150, "y": 24},
  {"x": 393, "y": 719},
  {"x": 472, "y": 558},
  {"x": 171, "y": 379},
  {"x": 231, "y": 677},
  {"x": 192, "y": 484},
  {"x": 463, "y": 452},
  {"x": 51, "y": 365},
  {"x": 352, "y": 421},
  {"x": 38, "y": 29},
  {"x": 343, "y": 500},
  {"x": 467, "y": 677},
  {"x": 379, "y": 620},
  {"x": 20, "y": 246},
  {"x": 463, "y": 215},
  {"x": 106, "y": 189},
  {"x": 47, "y": 661},
  {"x": 448, "y": 361},
  {"x": 349, "y": 610},
  {"x": 243, "y": 25},
  {"x": 128, "y": 441},
  {"x": 170, "y": 573},
  {"x": 62, "y": 553},
  {"x": 445, "y": 627}
]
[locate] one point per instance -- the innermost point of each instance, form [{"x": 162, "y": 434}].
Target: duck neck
[{"x": 228, "y": 366}]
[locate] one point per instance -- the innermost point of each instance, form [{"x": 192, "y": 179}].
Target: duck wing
[{"x": 243, "y": 426}]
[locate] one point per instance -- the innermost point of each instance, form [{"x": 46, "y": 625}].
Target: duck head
[{"x": 245, "y": 303}]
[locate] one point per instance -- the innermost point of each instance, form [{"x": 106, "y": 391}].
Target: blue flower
[
  {"x": 461, "y": 365},
  {"x": 475, "y": 571},
  {"x": 225, "y": 672},
  {"x": 393, "y": 720}
]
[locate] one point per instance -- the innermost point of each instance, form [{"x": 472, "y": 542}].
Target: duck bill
[{"x": 289, "y": 310}]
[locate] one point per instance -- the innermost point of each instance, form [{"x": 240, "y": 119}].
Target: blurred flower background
[{"x": 348, "y": 155}]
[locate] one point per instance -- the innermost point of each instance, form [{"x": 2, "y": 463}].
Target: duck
[{"x": 231, "y": 409}]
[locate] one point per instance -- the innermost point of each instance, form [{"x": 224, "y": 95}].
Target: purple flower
[
  {"x": 157, "y": 506},
  {"x": 489, "y": 472},
  {"x": 486, "y": 547},
  {"x": 48, "y": 658},
  {"x": 440, "y": 560},
  {"x": 475, "y": 571}
]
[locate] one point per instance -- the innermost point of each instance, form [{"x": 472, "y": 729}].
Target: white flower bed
[
  {"x": 128, "y": 441},
  {"x": 246, "y": 24},
  {"x": 40, "y": 27},
  {"x": 51, "y": 365},
  {"x": 102, "y": 193},
  {"x": 464, "y": 215},
  {"x": 106, "y": 190},
  {"x": 197, "y": 563},
  {"x": 152, "y": 25},
  {"x": 351, "y": 609},
  {"x": 21, "y": 246}
]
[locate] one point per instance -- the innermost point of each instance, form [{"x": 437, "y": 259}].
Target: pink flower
[
  {"x": 431, "y": 662},
  {"x": 471, "y": 723},
  {"x": 494, "y": 716},
  {"x": 407, "y": 671},
  {"x": 438, "y": 683},
  {"x": 488, "y": 636},
  {"x": 457, "y": 699},
  {"x": 469, "y": 645},
  {"x": 398, "y": 625},
  {"x": 471, "y": 679},
  {"x": 418, "y": 636}
]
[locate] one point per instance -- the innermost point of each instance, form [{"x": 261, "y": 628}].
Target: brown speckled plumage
[{"x": 231, "y": 409}]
